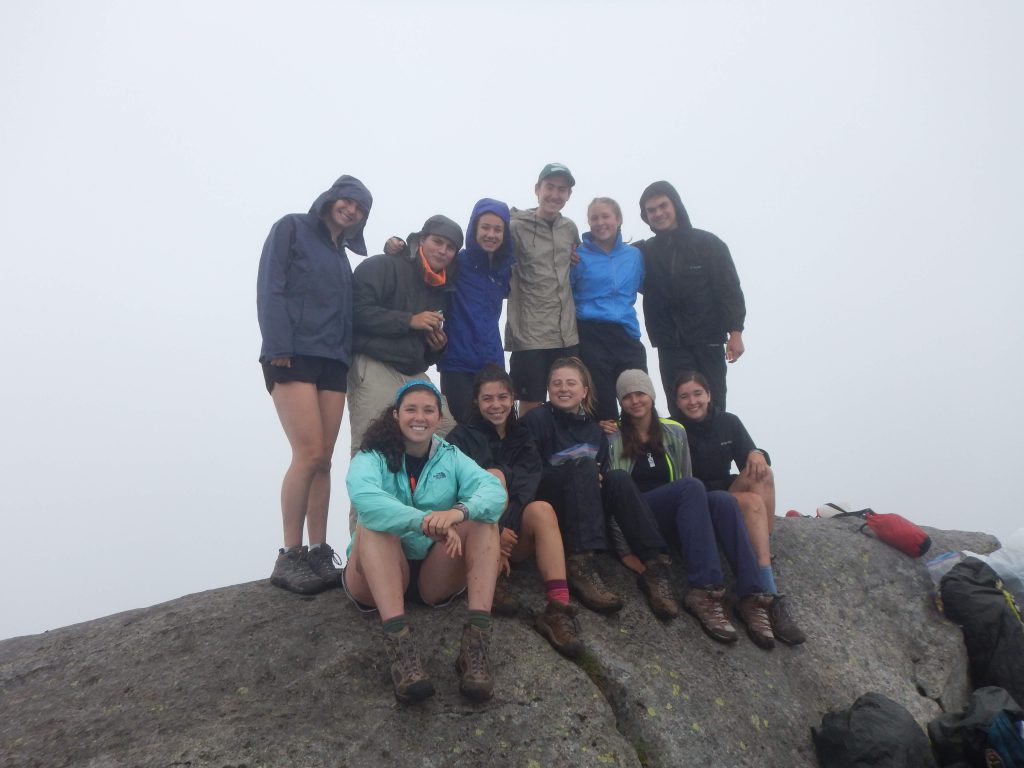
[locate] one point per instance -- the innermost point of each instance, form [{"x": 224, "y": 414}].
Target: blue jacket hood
[
  {"x": 499, "y": 209},
  {"x": 351, "y": 188}
]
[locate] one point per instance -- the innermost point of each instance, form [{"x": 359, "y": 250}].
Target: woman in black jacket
[{"x": 494, "y": 439}]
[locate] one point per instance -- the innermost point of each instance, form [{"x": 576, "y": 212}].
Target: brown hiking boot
[
  {"x": 292, "y": 572},
  {"x": 410, "y": 681},
  {"x": 559, "y": 626},
  {"x": 752, "y": 610},
  {"x": 656, "y": 583},
  {"x": 707, "y": 606},
  {"x": 588, "y": 587},
  {"x": 783, "y": 624},
  {"x": 504, "y": 602},
  {"x": 476, "y": 682}
]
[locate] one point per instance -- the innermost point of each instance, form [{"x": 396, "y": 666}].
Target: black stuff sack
[{"x": 875, "y": 732}]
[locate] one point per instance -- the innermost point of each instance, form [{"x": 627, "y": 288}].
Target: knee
[
  {"x": 540, "y": 515},
  {"x": 314, "y": 459}
]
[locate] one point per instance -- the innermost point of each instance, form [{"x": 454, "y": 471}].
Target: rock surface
[{"x": 253, "y": 676}]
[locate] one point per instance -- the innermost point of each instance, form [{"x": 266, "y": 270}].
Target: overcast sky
[{"x": 863, "y": 161}]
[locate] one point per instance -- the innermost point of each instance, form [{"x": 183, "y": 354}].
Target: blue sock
[{"x": 768, "y": 580}]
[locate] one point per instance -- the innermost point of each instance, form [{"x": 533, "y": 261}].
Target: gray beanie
[
  {"x": 445, "y": 227},
  {"x": 634, "y": 380}
]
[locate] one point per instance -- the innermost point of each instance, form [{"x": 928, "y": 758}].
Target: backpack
[
  {"x": 895, "y": 530},
  {"x": 986, "y": 729},
  {"x": 875, "y": 732}
]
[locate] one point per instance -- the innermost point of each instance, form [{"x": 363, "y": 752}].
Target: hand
[
  {"x": 508, "y": 542},
  {"x": 452, "y": 543},
  {"x": 632, "y": 562},
  {"x": 610, "y": 426},
  {"x": 734, "y": 347},
  {"x": 757, "y": 466},
  {"x": 437, "y": 340},
  {"x": 282, "y": 362},
  {"x": 426, "y": 321},
  {"x": 436, "y": 524},
  {"x": 574, "y": 257},
  {"x": 394, "y": 245}
]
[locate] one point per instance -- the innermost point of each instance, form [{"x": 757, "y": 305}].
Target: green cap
[{"x": 552, "y": 169}]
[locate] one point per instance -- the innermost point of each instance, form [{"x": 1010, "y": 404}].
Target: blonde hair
[{"x": 590, "y": 400}]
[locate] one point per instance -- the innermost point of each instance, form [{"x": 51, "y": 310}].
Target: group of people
[{"x": 450, "y": 488}]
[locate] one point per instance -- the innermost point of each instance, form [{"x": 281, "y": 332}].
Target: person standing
[
  {"x": 541, "y": 324},
  {"x": 304, "y": 306},
  {"x": 693, "y": 303}
]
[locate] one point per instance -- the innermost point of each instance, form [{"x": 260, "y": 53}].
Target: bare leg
[
  {"x": 477, "y": 568},
  {"x": 377, "y": 572},
  {"x": 765, "y": 488},
  {"x": 332, "y": 408},
  {"x": 756, "y": 521},
  {"x": 540, "y": 534},
  {"x": 298, "y": 408}
]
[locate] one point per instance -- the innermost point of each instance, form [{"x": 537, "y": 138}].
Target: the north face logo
[{"x": 440, "y": 475}]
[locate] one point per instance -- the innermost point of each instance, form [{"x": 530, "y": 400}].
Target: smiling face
[
  {"x": 661, "y": 213},
  {"x": 693, "y": 400},
  {"x": 438, "y": 251},
  {"x": 418, "y": 416},
  {"x": 490, "y": 232},
  {"x": 342, "y": 215},
  {"x": 604, "y": 223},
  {"x": 552, "y": 195},
  {"x": 566, "y": 389},
  {"x": 638, "y": 406},
  {"x": 495, "y": 403}
]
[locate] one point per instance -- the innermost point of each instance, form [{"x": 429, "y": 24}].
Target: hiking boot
[
  {"x": 559, "y": 627},
  {"x": 588, "y": 587},
  {"x": 407, "y": 675},
  {"x": 475, "y": 680},
  {"x": 504, "y": 602},
  {"x": 752, "y": 610},
  {"x": 657, "y": 585},
  {"x": 292, "y": 572},
  {"x": 707, "y": 606},
  {"x": 783, "y": 624},
  {"x": 324, "y": 562}
]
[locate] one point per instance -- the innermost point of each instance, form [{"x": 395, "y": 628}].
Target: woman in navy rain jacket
[{"x": 304, "y": 304}]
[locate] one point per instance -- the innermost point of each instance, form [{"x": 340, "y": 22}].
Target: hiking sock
[
  {"x": 557, "y": 591},
  {"x": 480, "y": 619},
  {"x": 314, "y": 546},
  {"x": 395, "y": 624},
  {"x": 768, "y": 580}
]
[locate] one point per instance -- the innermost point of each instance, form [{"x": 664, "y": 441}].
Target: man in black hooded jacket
[{"x": 693, "y": 303}]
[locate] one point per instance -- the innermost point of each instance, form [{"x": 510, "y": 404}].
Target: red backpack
[{"x": 895, "y": 530}]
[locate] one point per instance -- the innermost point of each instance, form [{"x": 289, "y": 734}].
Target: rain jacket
[
  {"x": 386, "y": 292},
  {"x": 471, "y": 324},
  {"x": 541, "y": 311},
  {"x": 604, "y": 285},
  {"x": 384, "y": 502},
  {"x": 563, "y": 437},
  {"x": 692, "y": 293},
  {"x": 677, "y": 451},
  {"x": 304, "y": 286},
  {"x": 516, "y": 456},
  {"x": 715, "y": 443}
]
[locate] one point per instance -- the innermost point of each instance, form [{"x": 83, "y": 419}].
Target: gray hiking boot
[
  {"x": 784, "y": 626},
  {"x": 587, "y": 586},
  {"x": 475, "y": 681},
  {"x": 656, "y": 583},
  {"x": 292, "y": 572},
  {"x": 752, "y": 610},
  {"x": 410, "y": 681},
  {"x": 559, "y": 627},
  {"x": 707, "y": 605},
  {"x": 324, "y": 562}
]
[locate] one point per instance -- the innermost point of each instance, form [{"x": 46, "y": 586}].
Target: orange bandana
[{"x": 430, "y": 276}]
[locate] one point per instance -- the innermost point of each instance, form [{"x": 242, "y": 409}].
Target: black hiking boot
[
  {"x": 324, "y": 562},
  {"x": 292, "y": 572}
]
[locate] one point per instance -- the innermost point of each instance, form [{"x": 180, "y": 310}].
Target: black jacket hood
[
  {"x": 350, "y": 188},
  {"x": 657, "y": 189}
]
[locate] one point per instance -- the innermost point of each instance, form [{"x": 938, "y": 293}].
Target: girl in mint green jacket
[{"x": 411, "y": 490}]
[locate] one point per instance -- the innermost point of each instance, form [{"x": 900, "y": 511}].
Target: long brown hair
[
  {"x": 385, "y": 436},
  {"x": 632, "y": 447},
  {"x": 590, "y": 401}
]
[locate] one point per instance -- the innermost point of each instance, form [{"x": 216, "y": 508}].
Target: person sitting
[
  {"x": 495, "y": 439},
  {"x": 655, "y": 453},
  {"x": 426, "y": 516},
  {"x": 716, "y": 440}
]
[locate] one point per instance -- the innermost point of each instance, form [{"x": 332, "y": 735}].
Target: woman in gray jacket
[{"x": 304, "y": 303}]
